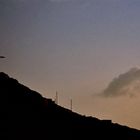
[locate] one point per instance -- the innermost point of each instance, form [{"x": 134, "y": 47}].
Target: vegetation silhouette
[{"x": 26, "y": 115}]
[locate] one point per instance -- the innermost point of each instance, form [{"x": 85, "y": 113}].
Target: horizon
[{"x": 79, "y": 49}]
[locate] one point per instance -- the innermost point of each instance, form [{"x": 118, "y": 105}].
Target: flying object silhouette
[{"x": 2, "y": 57}]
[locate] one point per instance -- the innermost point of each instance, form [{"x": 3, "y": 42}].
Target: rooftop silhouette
[{"x": 26, "y": 115}]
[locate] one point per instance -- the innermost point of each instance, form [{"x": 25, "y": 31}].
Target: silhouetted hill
[{"x": 26, "y": 115}]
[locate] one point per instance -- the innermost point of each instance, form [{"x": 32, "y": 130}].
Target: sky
[{"x": 79, "y": 48}]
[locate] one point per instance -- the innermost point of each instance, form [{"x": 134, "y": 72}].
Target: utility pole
[
  {"x": 56, "y": 98},
  {"x": 71, "y": 104},
  {"x": 2, "y": 57}
]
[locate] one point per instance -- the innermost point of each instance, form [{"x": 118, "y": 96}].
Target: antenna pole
[
  {"x": 56, "y": 98},
  {"x": 71, "y": 104}
]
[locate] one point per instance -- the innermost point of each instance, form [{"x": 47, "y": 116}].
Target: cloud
[{"x": 125, "y": 84}]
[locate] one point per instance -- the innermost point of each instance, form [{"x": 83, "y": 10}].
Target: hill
[{"x": 26, "y": 115}]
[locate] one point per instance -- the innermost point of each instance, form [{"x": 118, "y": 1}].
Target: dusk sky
[{"x": 77, "y": 48}]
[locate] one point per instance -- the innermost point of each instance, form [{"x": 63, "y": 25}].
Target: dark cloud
[{"x": 125, "y": 84}]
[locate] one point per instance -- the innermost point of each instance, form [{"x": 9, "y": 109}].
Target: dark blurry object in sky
[{"x": 2, "y": 57}]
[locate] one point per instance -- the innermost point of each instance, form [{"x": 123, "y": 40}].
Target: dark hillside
[{"x": 26, "y": 115}]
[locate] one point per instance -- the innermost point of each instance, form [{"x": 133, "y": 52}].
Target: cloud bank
[{"x": 125, "y": 84}]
